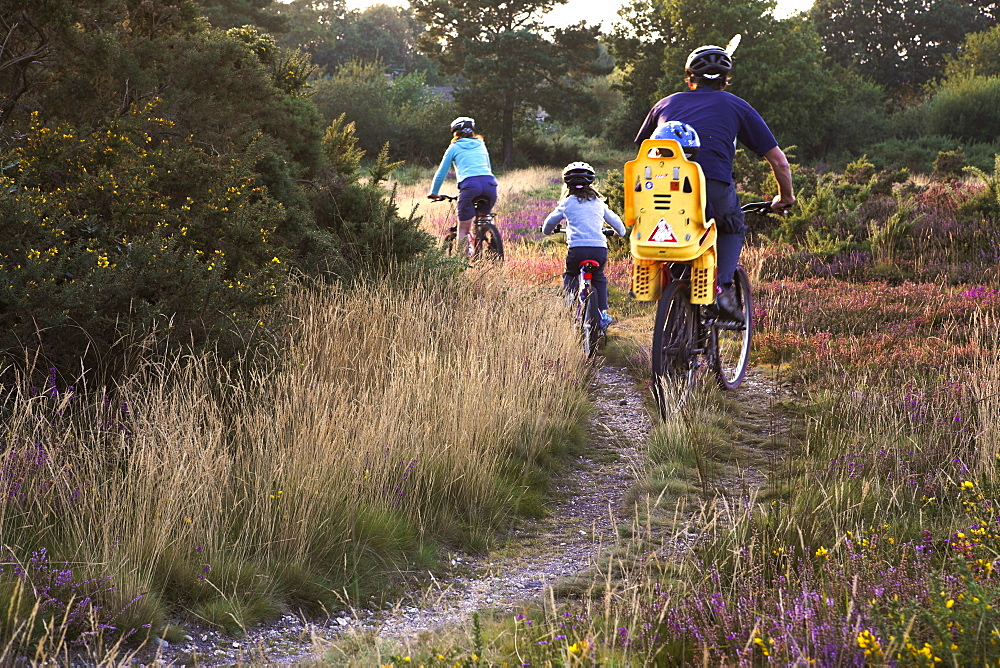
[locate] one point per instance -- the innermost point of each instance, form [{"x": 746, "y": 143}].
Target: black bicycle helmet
[
  {"x": 709, "y": 62},
  {"x": 463, "y": 126},
  {"x": 578, "y": 175}
]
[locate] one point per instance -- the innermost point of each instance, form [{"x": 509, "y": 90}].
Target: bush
[
  {"x": 551, "y": 144},
  {"x": 918, "y": 154},
  {"x": 949, "y": 164},
  {"x": 125, "y": 230},
  {"x": 406, "y": 112},
  {"x": 967, "y": 109}
]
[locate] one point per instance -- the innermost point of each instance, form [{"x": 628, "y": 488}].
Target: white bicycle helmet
[
  {"x": 578, "y": 175},
  {"x": 463, "y": 126}
]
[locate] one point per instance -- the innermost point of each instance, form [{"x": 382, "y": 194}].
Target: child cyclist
[
  {"x": 585, "y": 212},
  {"x": 474, "y": 174}
]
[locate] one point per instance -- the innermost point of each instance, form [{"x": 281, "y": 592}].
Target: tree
[
  {"x": 334, "y": 35},
  {"x": 899, "y": 44},
  {"x": 25, "y": 47},
  {"x": 966, "y": 108},
  {"x": 510, "y": 63},
  {"x": 227, "y": 14},
  {"x": 72, "y": 46},
  {"x": 979, "y": 55}
]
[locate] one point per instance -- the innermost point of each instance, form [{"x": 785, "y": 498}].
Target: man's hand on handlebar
[{"x": 781, "y": 205}]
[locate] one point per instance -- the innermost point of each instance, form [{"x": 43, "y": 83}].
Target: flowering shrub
[{"x": 126, "y": 228}]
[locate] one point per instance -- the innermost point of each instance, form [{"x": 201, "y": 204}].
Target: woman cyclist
[
  {"x": 474, "y": 175},
  {"x": 584, "y": 211}
]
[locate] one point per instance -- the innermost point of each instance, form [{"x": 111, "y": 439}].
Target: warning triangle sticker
[{"x": 663, "y": 233}]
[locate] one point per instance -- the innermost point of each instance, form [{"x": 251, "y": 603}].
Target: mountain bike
[
  {"x": 689, "y": 338},
  {"x": 485, "y": 241},
  {"x": 673, "y": 247},
  {"x": 583, "y": 300}
]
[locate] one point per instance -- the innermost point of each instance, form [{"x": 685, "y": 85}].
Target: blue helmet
[{"x": 684, "y": 134}]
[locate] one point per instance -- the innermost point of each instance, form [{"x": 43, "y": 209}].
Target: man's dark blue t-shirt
[{"x": 720, "y": 118}]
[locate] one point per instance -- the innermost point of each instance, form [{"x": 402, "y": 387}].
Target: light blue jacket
[
  {"x": 470, "y": 157},
  {"x": 583, "y": 222}
]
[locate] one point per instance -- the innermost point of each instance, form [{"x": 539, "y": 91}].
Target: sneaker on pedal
[
  {"x": 606, "y": 320},
  {"x": 726, "y": 304}
]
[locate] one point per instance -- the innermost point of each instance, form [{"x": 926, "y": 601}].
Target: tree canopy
[
  {"x": 227, "y": 14},
  {"x": 899, "y": 44},
  {"x": 979, "y": 55},
  {"x": 509, "y": 63},
  {"x": 333, "y": 34},
  {"x": 778, "y": 66}
]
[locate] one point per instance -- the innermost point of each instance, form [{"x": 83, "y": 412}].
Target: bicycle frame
[{"x": 484, "y": 236}]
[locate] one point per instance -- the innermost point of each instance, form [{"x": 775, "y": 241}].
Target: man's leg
[{"x": 732, "y": 230}]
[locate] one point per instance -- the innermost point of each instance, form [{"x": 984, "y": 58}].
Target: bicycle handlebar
[
  {"x": 442, "y": 198},
  {"x": 761, "y": 207},
  {"x": 607, "y": 231}
]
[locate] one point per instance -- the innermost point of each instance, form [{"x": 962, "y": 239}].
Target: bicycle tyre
[
  {"x": 590, "y": 324},
  {"x": 674, "y": 355},
  {"x": 731, "y": 343},
  {"x": 489, "y": 244}
]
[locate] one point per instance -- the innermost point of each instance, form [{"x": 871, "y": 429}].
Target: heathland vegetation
[{"x": 239, "y": 378}]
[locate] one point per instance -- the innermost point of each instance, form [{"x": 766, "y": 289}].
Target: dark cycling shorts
[
  {"x": 724, "y": 205},
  {"x": 471, "y": 188}
]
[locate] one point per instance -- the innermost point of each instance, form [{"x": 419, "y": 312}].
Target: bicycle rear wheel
[
  {"x": 731, "y": 342},
  {"x": 590, "y": 323},
  {"x": 675, "y": 355},
  {"x": 489, "y": 245}
]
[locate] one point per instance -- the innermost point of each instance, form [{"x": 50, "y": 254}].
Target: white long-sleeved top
[{"x": 584, "y": 221}]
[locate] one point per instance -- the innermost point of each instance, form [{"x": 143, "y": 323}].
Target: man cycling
[{"x": 720, "y": 119}]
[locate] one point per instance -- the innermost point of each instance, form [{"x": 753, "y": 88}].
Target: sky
[{"x": 593, "y": 11}]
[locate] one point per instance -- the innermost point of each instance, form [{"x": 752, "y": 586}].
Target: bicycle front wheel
[
  {"x": 489, "y": 245},
  {"x": 675, "y": 355},
  {"x": 448, "y": 243},
  {"x": 590, "y": 321},
  {"x": 731, "y": 342}
]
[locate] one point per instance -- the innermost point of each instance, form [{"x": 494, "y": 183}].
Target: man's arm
[{"x": 783, "y": 175}]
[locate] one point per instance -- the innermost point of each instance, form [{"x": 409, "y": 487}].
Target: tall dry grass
[
  {"x": 438, "y": 216},
  {"x": 388, "y": 419}
]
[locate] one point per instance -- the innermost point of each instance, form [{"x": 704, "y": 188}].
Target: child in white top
[{"x": 584, "y": 213}]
